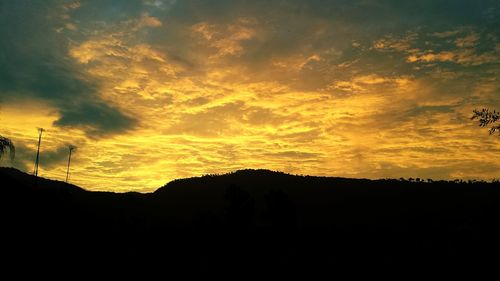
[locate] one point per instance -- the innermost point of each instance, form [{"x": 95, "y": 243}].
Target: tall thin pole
[
  {"x": 71, "y": 148},
  {"x": 40, "y": 132}
]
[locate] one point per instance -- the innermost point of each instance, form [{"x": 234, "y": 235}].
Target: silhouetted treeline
[{"x": 252, "y": 221}]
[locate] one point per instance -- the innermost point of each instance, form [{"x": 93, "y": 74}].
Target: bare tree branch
[{"x": 487, "y": 117}]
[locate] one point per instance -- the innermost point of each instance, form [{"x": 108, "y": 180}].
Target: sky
[{"x": 154, "y": 90}]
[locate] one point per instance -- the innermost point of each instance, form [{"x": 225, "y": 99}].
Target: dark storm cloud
[
  {"x": 98, "y": 118},
  {"x": 50, "y": 158},
  {"x": 34, "y": 65}
]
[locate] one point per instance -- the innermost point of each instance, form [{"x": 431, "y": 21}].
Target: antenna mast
[
  {"x": 40, "y": 132},
  {"x": 71, "y": 148}
]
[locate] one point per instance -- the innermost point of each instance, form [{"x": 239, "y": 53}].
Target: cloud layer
[{"x": 156, "y": 90}]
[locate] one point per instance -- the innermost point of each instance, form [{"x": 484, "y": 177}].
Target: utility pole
[
  {"x": 40, "y": 132},
  {"x": 71, "y": 148}
]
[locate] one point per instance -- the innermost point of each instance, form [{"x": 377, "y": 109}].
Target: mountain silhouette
[{"x": 249, "y": 222}]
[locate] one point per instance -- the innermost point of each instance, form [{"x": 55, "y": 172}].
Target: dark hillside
[{"x": 252, "y": 221}]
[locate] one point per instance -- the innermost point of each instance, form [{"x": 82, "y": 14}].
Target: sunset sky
[{"x": 154, "y": 90}]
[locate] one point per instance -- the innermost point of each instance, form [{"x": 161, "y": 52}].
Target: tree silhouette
[
  {"x": 487, "y": 117},
  {"x": 5, "y": 144}
]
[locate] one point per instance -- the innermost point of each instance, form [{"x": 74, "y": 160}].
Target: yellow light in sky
[{"x": 215, "y": 95}]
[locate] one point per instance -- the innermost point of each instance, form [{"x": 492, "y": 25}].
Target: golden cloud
[
  {"x": 212, "y": 103},
  {"x": 226, "y": 39}
]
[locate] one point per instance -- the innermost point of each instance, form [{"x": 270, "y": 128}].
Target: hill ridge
[{"x": 252, "y": 219}]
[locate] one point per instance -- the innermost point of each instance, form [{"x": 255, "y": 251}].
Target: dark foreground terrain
[{"x": 250, "y": 222}]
